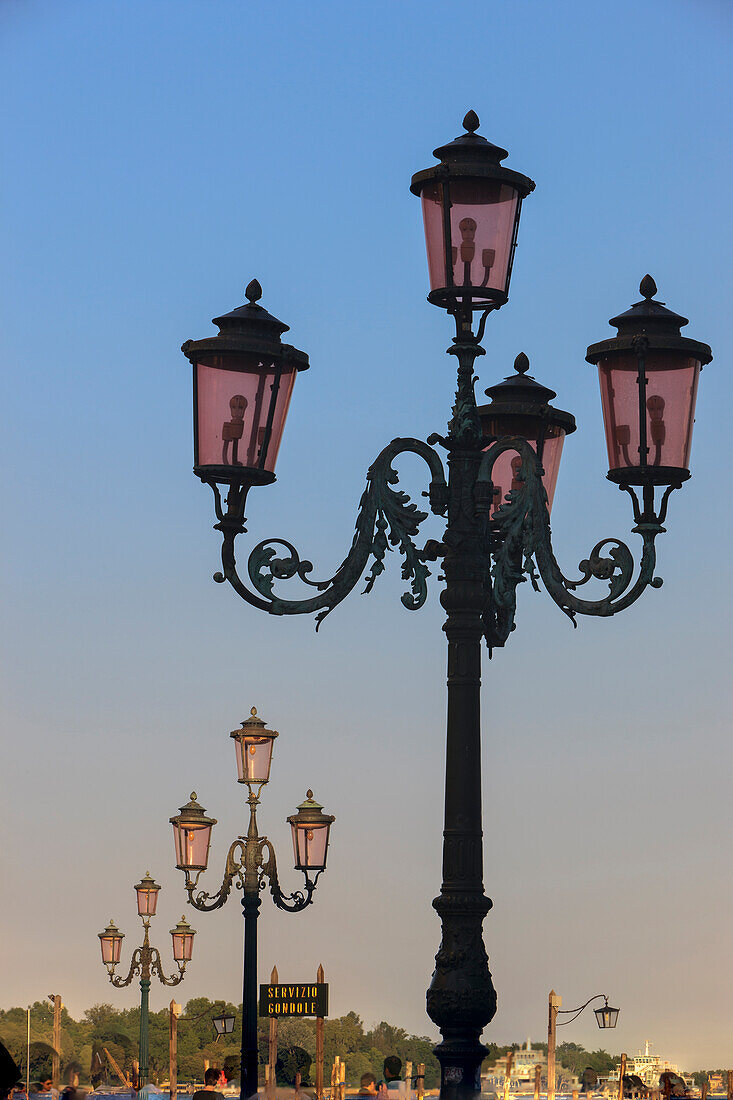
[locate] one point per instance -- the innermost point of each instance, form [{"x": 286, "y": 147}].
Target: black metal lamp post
[
  {"x": 503, "y": 461},
  {"x": 146, "y": 960},
  {"x": 250, "y": 865}
]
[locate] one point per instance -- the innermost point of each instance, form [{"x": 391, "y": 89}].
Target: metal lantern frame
[
  {"x": 253, "y": 733},
  {"x": 484, "y": 553},
  {"x": 470, "y": 157}
]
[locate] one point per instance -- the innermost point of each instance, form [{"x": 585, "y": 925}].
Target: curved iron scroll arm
[
  {"x": 156, "y": 967},
  {"x": 291, "y": 903},
  {"x": 234, "y": 870},
  {"x": 577, "y": 1011},
  {"x": 387, "y": 518},
  {"x": 521, "y": 538},
  {"x": 135, "y": 968}
]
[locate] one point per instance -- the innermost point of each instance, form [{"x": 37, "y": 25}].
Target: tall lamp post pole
[
  {"x": 503, "y": 462},
  {"x": 146, "y": 959},
  {"x": 251, "y": 865}
]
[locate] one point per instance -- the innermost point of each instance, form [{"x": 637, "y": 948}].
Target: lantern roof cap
[
  {"x": 522, "y": 395},
  {"x": 111, "y": 930},
  {"x": 147, "y": 883},
  {"x": 310, "y": 811},
  {"x": 521, "y": 386},
  {"x": 648, "y": 314},
  {"x": 470, "y": 155},
  {"x": 251, "y": 318},
  {"x": 192, "y": 814},
  {"x": 470, "y": 145},
  {"x": 183, "y": 928}
]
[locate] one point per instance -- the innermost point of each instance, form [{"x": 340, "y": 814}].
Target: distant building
[
  {"x": 647, "y": 1066},
  {"x": 522, "y": 1075}
]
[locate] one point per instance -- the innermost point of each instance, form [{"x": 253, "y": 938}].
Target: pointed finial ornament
[
  {"x": 521, "y": 363},
  {"x": 253, "y": 293},
  {"x": 648, "y": 287},
  {"x": 253, "y": 711},
  {"x": 471, "y": 122},
  {"x": 309, "y": 794},
  {"x": 193, "y": 796}
]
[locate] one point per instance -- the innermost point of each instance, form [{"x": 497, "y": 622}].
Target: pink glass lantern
[
  {"x": 310, "y": 828},
  {"x": 192, "y": 836},
  {"x": 648, "y": 376},
  {"x": 254, "y": 744},
  {"x": 147, "y": 891},
  {"x": 471, "y": 207},
  {"x": 242, "y": 384},
  {"x": 182, "y": 936},
  {"x": 110, "y": 942},
  {"x": 521, "y": 407}
]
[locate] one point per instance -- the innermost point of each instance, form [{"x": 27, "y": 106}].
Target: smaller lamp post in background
[
  {"x": 250, "y": 864},
  {"x": 146, "y": 959},
  {"x": 605, "y": 1017}
]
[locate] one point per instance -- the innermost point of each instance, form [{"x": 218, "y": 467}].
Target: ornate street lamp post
[
  {"x": 503, "y": 462},
  {"x": 250, "y": 864},
  {"x": 146, "y": 960},
  {"x": 605, "y": 1017}
]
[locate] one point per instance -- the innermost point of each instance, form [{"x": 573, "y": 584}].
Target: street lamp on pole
[
  {"x": 503, "y": 462},
  {"x": 606, "y": 1016},
  {"x": 146, "y": 959},
  {"x": 250, "y": 865}
]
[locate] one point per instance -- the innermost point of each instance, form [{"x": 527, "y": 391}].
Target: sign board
[{"x": 294, "y": 1000}]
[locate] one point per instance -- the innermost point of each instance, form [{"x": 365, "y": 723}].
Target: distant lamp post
[
  {"x": 223, "y": 1024},
  {"x": 146, "y": 960},
  {"x": 250, "y": 865},
  {"x": 605, "y": 1017}
]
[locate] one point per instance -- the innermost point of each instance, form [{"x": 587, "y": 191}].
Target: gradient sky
[{"x": 158, "y": 155}]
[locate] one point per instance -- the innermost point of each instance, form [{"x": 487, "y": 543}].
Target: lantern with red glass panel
[
  {"x": 147, "y": 891},
  {"x": 182, "y": 936},
  {"x": 254, "y": 744},
  {"x": 521, "y": 407},
  {"x": 243, "y": 379},
  {"x": 648, "y": 375},
  {"x": 192, "y": 836},
  {"x": 110, "y": 942},
  {"x": 471, "y": 205},
  {"x": 310, "y": 828}
]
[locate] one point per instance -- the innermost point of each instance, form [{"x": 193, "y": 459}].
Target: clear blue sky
[{"x": 160, "y": 154}]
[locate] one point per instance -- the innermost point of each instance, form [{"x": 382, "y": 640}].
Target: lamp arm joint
[
  {"x": 291, "y": 903},
  {"x": 387, "y": 518},
  {"x": 156, "y": 967},
  {"x": 233, "y": 870},
  {"x": 135, "y": 967}
]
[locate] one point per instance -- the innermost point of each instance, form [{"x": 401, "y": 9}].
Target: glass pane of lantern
[
  {"x": 147, "y": 901},
  {"x": 309, "y": 845},
  {"x": 671, "y": 392},
  {"x": 254, "y": 755},
  {"x": 182, "y": 946},
  {"x": 482, "y": 217},
  {"x": 233, "y": 408},
  {"x": 509, "y": 464},
  {"x": 111, "y": 949},
  {"x": 192, "y": 846}
]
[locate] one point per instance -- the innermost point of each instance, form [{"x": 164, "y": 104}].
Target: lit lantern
[
  {"x": 648, "y": 375},
  {"x": 254, "y": 744},
  {"x": 223, "y": 1024},
  {"x": 242, "y": 383},
  {"x": 182, "y": 936},
  {"x": 521, "y": 407},
  {"x": 471, "y": 206},
  {"x": 147, "y": 891},
  {"x": 310, "y": 828},
  {"x": 111, "y": 943},
  {"x": 192, "y": 836},
  {"x": 606, "y": 1016}
]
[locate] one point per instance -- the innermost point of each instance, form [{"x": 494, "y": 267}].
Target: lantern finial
[
  {"x": 521, "y": 363},
  {"x": 193, "y": 796},
  {"x": 647, "y": 287},
  {"x": 309, "y": 794},
  {"x": 253, "y": 293},
  {"x": 471, "y": 122},
  {"x": 253, "y": 711}
]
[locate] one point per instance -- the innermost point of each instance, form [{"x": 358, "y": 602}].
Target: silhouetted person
[
  {"x": 396, "y": 1088},
  {"x": 208, "y": 1092},
  {"x": 368, "y": 1085}
]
